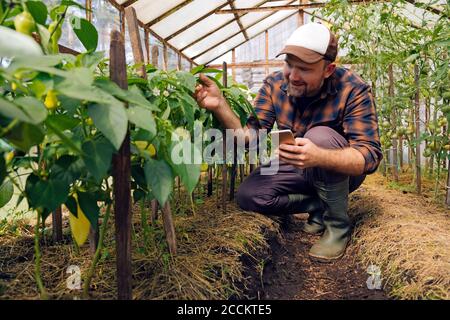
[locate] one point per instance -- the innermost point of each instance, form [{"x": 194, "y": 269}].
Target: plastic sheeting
[{"x": 212, "y": 35}]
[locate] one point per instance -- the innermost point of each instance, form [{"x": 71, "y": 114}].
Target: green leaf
[
  {"x": 111, "y": 120},
  {"x": 44, "y": 35},
  {"x": 67, "y": 168},
  {"x": 188, "y": 171},
  {"x": 159, "y": 179},
  {"x": 39, "y": 63},
  {"x": 34, "y": 108},
  {"x": 135, "y": 96},
  {"x": 11, "y": 111},
  {"x": 142, "y": 118},
  {"x": 17, "y": 44},
  {"x": 71, "y": 204},
  {"x": 24, "y": 135},
  {"x": 88, "y": 205},
  {"x": 97, "y": 157},
  {"x": 46, "y": 194},
  {"x": 71, "y": 144},
  {"x": 38, "y": 10},
  {"x": 197, "y": 69},
  {"x": 88, "y": 93},
  {"x": 189, "y": 174},
  {"x": 187, "y": 80},
  {"x": 72, "y": 3},
  {"x": 62, "y": 121},
  {"x": 188, "y": 105},
  {"x": 2, "y": 168},
  {"x": 85, "y": 32},
  {"x": 6, "y": 192},
  {"x": 411, "y": 58}
]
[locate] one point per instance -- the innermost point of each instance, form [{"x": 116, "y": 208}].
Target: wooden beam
[
  {"x": 215, "y": 30},
  {"x": 180, "y": 65},
  {"x": 155, "y": 56},
  {"x": 121, "y": 177},
  {"x": 147, "y": 46},
  {"x": 128, "y": 3},
  {"x": 173, "y": 35},
  {"x": 165, "y": 58},
  {"x": 135, "y": 39},
  {"x": 236, "y": 16},
  {"x": 233, "y": 62},
  {"x": 115, "y": 5},
  {"x": 301, "y": 16},
  {"x": 260, "y": 64},
  {"x": 266, "y": 51},
  {"x": 168, "y": 13},
  {"x": 274, "y": 24},
  {"x": 233, "y": 35},
  {"x": 89, "y": 10},
  {"x": 288, "y": 7},
  {"x": 160, "y": 39}
]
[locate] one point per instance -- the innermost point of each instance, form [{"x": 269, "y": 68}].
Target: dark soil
[{"x": 289, "y": 273}]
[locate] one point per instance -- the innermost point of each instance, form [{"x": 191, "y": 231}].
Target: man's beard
[
  {"x": 302, "y": 90},
  {"x": 297, "y": 91}
]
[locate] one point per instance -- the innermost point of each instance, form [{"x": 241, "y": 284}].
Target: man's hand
[
  {"x": 208, "y": 95},
  {"x": 304, "y": 154}
]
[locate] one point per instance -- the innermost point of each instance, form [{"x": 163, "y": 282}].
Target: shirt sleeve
[
  {"x": 361, "y": 127},
  {"x": 264, "y": 109}
]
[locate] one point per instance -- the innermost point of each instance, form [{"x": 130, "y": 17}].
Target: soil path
[{"x": 291, "y": 274}]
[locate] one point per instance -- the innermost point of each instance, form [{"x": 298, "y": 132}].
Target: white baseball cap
[{"x": 311, "y": 42}]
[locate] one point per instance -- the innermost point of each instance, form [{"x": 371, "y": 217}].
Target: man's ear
[{"x": 329, "y": 70}]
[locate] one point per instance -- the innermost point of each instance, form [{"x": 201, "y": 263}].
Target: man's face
[{"x": 305, "y": 79}]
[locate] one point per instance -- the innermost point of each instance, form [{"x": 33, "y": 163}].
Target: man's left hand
[{"x": 304, "y": 154}]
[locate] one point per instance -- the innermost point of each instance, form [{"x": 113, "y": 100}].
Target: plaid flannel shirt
[{"x": 345, "y": 104}]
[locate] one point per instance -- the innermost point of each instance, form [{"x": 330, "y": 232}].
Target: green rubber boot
[
  {"x": 332, "y": 244},
  {"x": 314, "y": 225},
  {"x": 311, "y": 204}
]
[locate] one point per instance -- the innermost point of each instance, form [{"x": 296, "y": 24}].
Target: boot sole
[
  {"x": 313, "y": 233},
  {"x": 326, "y": 260}
]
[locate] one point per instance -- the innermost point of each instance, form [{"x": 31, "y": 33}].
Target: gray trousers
[{"x": 268, "y": 194}]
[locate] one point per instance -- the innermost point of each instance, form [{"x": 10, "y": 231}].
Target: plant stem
[
  {"x": 5, "y": 15},
  {"x": 144, "y": 223},
  {"x": 37, "y": 259},
  {"x": 192, "y": 204},
  {"x": 90, "y": 274}
]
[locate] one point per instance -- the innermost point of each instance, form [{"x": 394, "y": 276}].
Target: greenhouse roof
[{"x": 203, "y": 30}]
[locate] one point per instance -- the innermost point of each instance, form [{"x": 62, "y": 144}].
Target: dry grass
[
  {"x": 208, "y": 264},
  {"x": 408, "y": 237}
]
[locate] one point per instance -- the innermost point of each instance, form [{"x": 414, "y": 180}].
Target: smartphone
[{"x": 284, "y": 136}]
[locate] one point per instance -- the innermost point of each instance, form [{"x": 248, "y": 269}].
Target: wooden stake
[
  {"x": 121, "y": 176},
  {"x": 135, "y": 39},
  {"x": 155, "y": 207},
  {"x": 169, "y": 228},
  {"x": 155, "y": 56},
  {"x": 394, "y": 124},
  {"x": 93, "y": 240},
  {"x": 242, "y": 171},
  {"x": 224, "y": 166},
  {"x": 57, "y": 225},
  {"x": 417, "y": 121},
  {"x": 210, "y": 181}
]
